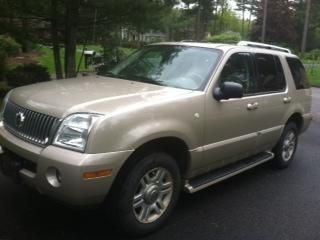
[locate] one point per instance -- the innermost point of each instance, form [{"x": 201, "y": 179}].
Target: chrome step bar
[{"x": 219, "y": 175}]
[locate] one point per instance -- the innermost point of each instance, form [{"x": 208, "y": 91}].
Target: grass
[
  {"x": 46, "y": 56},
  {"x": 46, "y": 59},
  {"x": 314, "y": 76},
  {"x": 313, "y": 71}
]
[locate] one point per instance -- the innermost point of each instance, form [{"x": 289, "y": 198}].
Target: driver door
[{"x": 230, "y": 127}]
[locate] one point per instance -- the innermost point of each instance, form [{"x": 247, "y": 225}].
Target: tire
[
  {"x": 154, "y": 183},
  {"x": 286, "y": 147}
]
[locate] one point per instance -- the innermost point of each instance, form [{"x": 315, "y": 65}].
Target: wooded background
[{"x": 63, "y": 25}]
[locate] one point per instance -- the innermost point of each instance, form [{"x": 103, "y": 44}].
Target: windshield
[{"x": 174, "y": 66}]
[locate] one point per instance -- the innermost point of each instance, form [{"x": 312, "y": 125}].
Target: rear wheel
[
  {"x": 148, "y": 194},
  {"x": 286, "y": 147}
]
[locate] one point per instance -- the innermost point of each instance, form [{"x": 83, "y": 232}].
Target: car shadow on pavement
[{"x": 32, "y": 216}]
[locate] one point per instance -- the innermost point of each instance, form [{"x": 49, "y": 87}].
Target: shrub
[
  {"x": 27, "y": 74},
  {"x": 313, "y": 54},
  {"x": 8, "y": 47},
  {"x": 4, "y": 89},
  {"x": 226, "y": 37}
]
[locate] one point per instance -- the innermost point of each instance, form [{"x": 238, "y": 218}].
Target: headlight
[
  {"x": 3, "y": 104},
  {"x": 74, "y": 131}
]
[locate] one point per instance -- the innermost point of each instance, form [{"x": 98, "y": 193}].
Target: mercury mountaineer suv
[{"x": 171, "y": 116}]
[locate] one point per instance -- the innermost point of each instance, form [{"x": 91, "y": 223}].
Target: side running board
[{"x": 204, "y": 181}]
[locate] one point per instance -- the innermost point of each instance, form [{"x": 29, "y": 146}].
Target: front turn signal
[{"x": 97, "y": 174}]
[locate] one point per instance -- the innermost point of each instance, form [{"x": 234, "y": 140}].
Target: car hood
[{"x": 95, "y": 94}]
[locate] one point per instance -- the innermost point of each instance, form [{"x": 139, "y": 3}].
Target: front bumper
[{"x": 73, "y": 189}]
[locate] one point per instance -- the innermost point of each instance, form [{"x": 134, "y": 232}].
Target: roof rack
[
  {"x": 265, "y": 46},
  {"x": 186, "y": 40}
]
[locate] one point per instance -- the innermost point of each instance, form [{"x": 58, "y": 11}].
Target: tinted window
[
  {"x": 281, "y": 78},
  {"x": 270, "y": 77},
  {"x": 173, "y": 66},
  {"x": 239, "y": 69},
  {"x": 298, "y": 73}
]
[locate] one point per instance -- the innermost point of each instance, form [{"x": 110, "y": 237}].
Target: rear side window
[
  {"x": 298, "y": 73},
  {"x": 270, "y": 77}
]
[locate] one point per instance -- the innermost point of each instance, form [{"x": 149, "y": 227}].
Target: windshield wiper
[
  {"x": 142, "y": 79},
  {"x": 135, "y": 78},
  {"x": 109, "y": 74}
]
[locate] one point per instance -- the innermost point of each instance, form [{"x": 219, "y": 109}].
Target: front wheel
[
  {"x": 148, "y": 194},
  {"x": 285, "y": 149}
]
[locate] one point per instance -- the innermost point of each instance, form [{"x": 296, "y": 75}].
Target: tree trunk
[
  {"x": 242, "y": 24},
  {"x": 25, "y": 29},
  {"x": 71, "y": 31},
  {"x": 306, "y": 27},
  {"x": 264, "y": 24},
  {"x": 198, "y": 27},
  {"x": 250, "y": 17},
  {"x": 55, "y": 39},
  {"x": 94, "y": 27},
  {"x": 222, "y": 15}
]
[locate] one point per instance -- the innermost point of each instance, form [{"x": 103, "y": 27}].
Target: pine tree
[{"x": 280, "y": 25}]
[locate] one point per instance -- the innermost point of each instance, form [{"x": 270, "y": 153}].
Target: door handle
[
  {"x": 287, "y": 99},
  {"x": 252, "y": 106}
]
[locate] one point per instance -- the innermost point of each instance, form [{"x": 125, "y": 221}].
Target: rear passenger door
[{"x": 271, "y": 96}]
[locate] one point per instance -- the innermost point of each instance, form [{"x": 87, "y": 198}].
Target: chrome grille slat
[
  {"x": 41, "y": 127},
  {"x": 44, "y": 126},
  {"x": 49, "y": 129},
  {"x": 38, "y": 116},
  {"x": 28, "y": 124},
  {"x": 36, "y": 127},
  {"x": 33, "y": 116}
]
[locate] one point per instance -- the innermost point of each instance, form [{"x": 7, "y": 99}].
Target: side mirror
[{"x": 228, "y": 90}]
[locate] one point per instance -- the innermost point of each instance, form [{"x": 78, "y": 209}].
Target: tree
[
  {"x": 264, "y": 22},
  {"x": 306, "y": 26},
  {"x": 204, "y": 9},
  {"x": 243, "y": 6},
  {"x": 280, "y": 27},
  {"x": 71, "y": 22},
  {"x": 55, "y": 38},
  {"x": 246, "y": 7},
  {"x": 71, "y": 31}
]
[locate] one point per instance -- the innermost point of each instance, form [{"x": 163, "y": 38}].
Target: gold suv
[{"x": 172, "y": 116}]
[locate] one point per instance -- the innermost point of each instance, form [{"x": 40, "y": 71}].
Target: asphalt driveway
[{"x": 260, "y": 204}]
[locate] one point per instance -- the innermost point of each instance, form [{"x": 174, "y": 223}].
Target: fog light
[{"x": 53, "y": 176}]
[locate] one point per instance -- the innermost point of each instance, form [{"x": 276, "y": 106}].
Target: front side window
[
  {"x": 174, "y": 66},
  {"x": 298, "y": 73},
  {"x": 239, "y": 69},
  {"x": 270, "y": 77}
]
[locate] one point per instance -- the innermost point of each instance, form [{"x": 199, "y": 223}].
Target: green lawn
[
  {"x": 46, "y": 57},
  {"x": 314, "y": 76},
  {"x": 313, "y": 71}
]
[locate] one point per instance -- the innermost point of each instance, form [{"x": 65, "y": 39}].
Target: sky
[{"x": 233, "y": 6}]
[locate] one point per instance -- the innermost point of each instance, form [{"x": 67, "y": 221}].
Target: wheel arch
[
  {"x": 297, "y": 119},
  {"x": 173, "y": 146}
]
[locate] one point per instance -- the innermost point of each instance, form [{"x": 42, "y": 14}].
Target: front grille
[{"x": 32, "y": 126}]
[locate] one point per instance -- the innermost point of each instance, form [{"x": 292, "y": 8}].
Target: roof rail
[{"x": 262, "y": 45}]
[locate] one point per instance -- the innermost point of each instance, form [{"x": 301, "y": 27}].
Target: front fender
[{"x": 182, "y": 118}]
